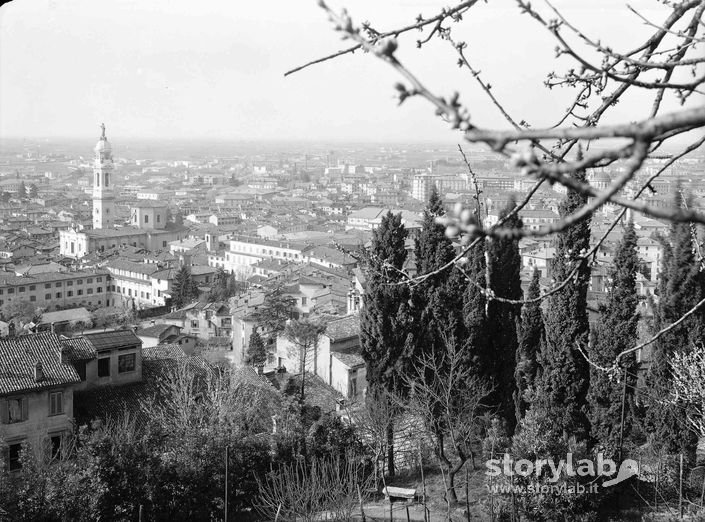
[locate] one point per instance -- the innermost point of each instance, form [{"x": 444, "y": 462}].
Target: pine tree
[
  {"x": 616, "y": 331},
  {"x": 22, "y": 192},
  {"x": 33, "y": 191},
  {"x": 386, "y": 320},
  {"x": 272, "y": 316},
  {"x": 183, "y": 289},
  {"x": 562, "y": 388},
  {"x": 256, "y": 350},
  {"x": 682, "y": 286},
  {"x": 503, "y": 318},
  {"x": 531, "y": 334}
]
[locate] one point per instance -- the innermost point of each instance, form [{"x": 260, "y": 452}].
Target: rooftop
[
  {"x": 19, "y": 356},
  {"x": 113, "y": 339},
  {"x": 345, "y": 328}
]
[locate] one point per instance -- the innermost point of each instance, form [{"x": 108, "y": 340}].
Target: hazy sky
[{"x": 214, "y": 68}]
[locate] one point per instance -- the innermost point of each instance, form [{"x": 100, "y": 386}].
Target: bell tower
[{"x": 103, "y": 197}]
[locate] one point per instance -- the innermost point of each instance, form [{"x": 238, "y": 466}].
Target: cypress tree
[
  {"x": 615, "y": 332},
  {"x": 437, "y": 299},
  {"x": 503, "y": 318},
  {"x": 563, "y": 386},
  {"x": 385, "y": 313},
  {"x": 531, "y": 335},
  {"x": 386, "y": 319},
  {"x": 474, "y": 311},
  {"x": 681, "y": 287}
]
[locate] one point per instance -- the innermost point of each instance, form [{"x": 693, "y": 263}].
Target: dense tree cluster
[{"x": 542, "y": 363}]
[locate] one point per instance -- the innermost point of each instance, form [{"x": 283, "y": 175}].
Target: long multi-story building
[
  {"x": 421, "y": 184},
  {"x": 246, "y": 251},
  {"x": 146, "y": 285},
  {"x": 51, "y": 290}
]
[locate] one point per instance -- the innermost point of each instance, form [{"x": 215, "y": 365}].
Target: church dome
[{"x": 102, "y": 146}]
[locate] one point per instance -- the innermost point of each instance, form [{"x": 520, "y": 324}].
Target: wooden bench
[{"x": 391, "y": 493}]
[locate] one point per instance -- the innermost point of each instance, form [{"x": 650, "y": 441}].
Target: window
[
  {"x": 10, "y": 290},
  {"x": 90, "y": 291},
  {"x": 163, "y": 244},
  {"x": 55, "y": 441},
  {"x": 159, "y": 218},
  {"x": 32, "y": 298},
  {"x": 79, "y": 291},
  {"x": 17, "y": 410},
  {"x": 79, "y": 282},
  {"x": 98, "y": 279},
  {"x": 80, "y": 369},
  {"x": 194, "y": 324},
  {"x": 22, "y": 289},
  {"x": 69, "y": 293},
  {"x": 47, "y": 297},
  {"x": 56, "y": 403},
  {"x": 48, "y": 285},
  {"x": 58, "y": 295},
  {"x": 146, "y": 218},
  {"x": 104, "y": 367},
  {"x": 13, "y": 460},
  {"x": 32, "y": 288},
  {"x": 58, "y": 285},
  {"x": 147, "y": 295},
  {"x": 99, "y": 289},
  {"x": 69, "y": 283},
  {"x": 1, "y": 291},
  {"x": 89, "y": 281},
  {"x": 126, "y": 363}
]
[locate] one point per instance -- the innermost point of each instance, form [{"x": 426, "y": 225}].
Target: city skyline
[{"x": 168, "y": 71}]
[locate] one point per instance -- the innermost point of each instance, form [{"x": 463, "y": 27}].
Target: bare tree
[
  {"x": 304, "y": 335},
  {"x": 324, "y": 489},
  {"x": 372, "y": 419},
  {"x": 667, "y": 65},
  {"x": 448, "y": 397},
  {"x": 689, "y": 386}
]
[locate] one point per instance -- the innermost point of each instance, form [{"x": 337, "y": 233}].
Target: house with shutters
[{"x": 37, "y": 382}]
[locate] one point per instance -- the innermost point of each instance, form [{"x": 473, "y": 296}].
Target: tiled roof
[
  {"x": 78, "y": 349},
  {"x": 18, "y": 357},
  {"x": 154, "y": 331},
  {"x": 344, "y": 328},
  {"x": 113, "y": 339},
  {"x": 133, "y": 400},
  {"x": 163, "y": 351},
  {"x": 131, "y": 266},
  {"x": 351, "y": 360}
]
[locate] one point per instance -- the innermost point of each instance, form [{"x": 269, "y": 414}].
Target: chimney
[
  {"x": 65, "y": 356},
  {"x": 38, "y": 372}
]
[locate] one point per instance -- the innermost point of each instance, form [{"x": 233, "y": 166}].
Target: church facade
[{"x": 148, "y": 227}]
